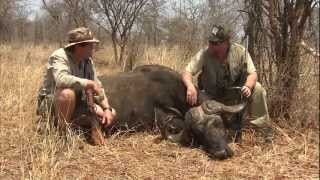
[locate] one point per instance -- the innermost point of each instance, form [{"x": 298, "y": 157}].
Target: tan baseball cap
[{"x": 80, "y": 35}]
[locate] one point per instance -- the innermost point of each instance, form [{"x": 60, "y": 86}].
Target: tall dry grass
[{"x": 26, "y": 153}]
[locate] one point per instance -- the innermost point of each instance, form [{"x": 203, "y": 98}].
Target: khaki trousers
[{"x": 258, "y": 109}]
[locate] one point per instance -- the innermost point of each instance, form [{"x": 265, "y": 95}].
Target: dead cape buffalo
[{"x": 155, "y": 95}]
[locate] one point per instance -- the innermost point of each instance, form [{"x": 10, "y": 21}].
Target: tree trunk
[
  {"x": 283, "y": 32},
  {"x": 122, "y": 61},
  {"x": 115, "y": 48},
  {"x": 287, "y": 78},
  {"x": 292, "y": 30}
]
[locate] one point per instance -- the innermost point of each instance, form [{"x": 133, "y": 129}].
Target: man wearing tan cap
[
  {"x": 70, "y": 72},
  {"x": 223, "y": 65}
]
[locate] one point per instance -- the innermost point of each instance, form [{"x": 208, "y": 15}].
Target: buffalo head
[{"x": 207, "y": 123}]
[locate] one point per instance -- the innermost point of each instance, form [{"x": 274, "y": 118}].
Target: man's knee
[{"x": 65, "y": 96}]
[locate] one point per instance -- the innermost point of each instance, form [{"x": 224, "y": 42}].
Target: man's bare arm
[
  {"x": 191, "y": 90},
  {"x": 251, "y": 80}
]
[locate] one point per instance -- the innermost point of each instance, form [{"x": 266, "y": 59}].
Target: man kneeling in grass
[
  {"x": 70, "y": 73},
  {"x": 222, "y": 65}
]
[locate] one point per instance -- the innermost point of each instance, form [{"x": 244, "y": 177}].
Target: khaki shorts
[{"x": 45, "y": 106}]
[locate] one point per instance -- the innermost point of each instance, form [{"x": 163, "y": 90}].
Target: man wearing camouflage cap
[
  {"x": 224, "y": 64},
  {"x": 70, "y": 71}
]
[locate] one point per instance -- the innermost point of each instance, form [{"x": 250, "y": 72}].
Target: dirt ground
[{"x": 27, "y": 154}]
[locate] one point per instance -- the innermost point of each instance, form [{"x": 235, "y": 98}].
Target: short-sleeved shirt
[
  {"x": 63, "y": 72},
  {"x": 217, "y": 77},
  {"x": 237, "y": 55}
]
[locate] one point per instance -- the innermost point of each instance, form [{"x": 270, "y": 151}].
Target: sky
[
  {"x": 34, "y": 7},
  {"x": 35, "y": 3}
]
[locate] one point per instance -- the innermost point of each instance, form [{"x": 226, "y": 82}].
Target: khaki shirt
[
  {"x": 63, "y": 72},
  {"x": 236, "y": 56}
]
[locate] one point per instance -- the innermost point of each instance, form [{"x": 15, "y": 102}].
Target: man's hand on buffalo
[{"x": 192, "y": 95}]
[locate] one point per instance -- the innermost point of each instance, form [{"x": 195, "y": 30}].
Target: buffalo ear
[
  {"x": 228, "y": 119},
  {"x": 160, "y": 119},
  {"x": 162, "y": 115},
  {"x": 171, "y": 126}
]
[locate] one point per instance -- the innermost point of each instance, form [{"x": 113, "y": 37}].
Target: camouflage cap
[
  {"x": 80, "y": 35},
  {"x": 219, "y": 33}
]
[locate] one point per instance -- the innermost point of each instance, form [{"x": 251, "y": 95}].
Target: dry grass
[{"x": 26, "y": 154}]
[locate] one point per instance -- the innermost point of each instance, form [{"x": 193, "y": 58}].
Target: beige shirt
[
  {"x": 63, "y": 72},
  {"x": 236, "y": 56}
]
